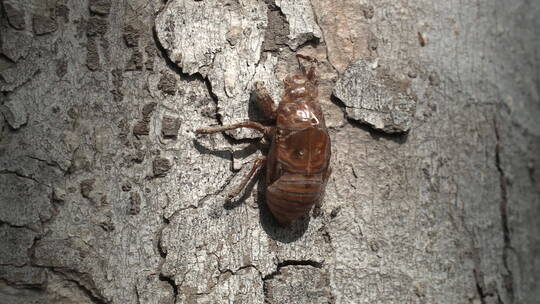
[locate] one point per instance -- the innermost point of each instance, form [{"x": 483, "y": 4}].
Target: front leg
[
  {"x": 311, "y": 72},
  {"x": 266, "y": 103},
  {"x": 267, "y": 131}
]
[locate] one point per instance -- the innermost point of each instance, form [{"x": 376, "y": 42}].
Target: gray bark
[{"x": 107, "y": 195}]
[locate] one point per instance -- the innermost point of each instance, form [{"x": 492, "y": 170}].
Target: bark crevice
[
  {"x": 172, "y": 283},
  {"x": 88, "y": 288},
  {"x": 503, "y": 208},
  {"x": 21, "y": 175}
]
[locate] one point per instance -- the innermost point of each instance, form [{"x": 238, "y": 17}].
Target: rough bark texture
[
  {"x": 107, "y": 196},
  {"x": 374, "y": 98}
]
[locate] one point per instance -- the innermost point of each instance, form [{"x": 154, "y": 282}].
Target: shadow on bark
[
  {"x": 225, "y": 154},
  {"x": 283, "y": 234}
]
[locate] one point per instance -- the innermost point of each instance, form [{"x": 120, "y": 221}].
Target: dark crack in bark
[
  {"x": 480, "y": 286},
  {"x": 214, "y": 98},
  {"x": 137, "y": 296},
  {"x": 170, "y": 281},
  {"x": 290, "y": 263},
  {"x": 53, "y": 164},
  {"x": 170, "y": 64},
  {"x": 21, "y": 286},
  {"x": 163, "y": 254},
  {"x": 399, "y": 138},
  {"x": 166, "y": 221},
  {"x": 71, "y": 276},
  {"x": 286, "y": 263},
  {"x": 24, "y": 176},
  {"x": 13, "y": 225},
  {"x": 503, "y": 183}
]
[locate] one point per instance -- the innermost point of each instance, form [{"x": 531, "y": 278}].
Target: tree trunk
[{"x": 108, "y": 196}]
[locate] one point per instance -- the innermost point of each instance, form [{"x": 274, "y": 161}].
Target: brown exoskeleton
[{"x": 298, "y": 162}]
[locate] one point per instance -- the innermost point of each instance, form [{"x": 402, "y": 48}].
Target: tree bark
[{"x": 108, "y": 196}]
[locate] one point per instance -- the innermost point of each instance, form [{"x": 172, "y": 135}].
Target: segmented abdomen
[{"x": 292, "y": 195}]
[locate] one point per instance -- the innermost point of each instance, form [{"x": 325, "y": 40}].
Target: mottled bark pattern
[{"x": 107, "y": 196}]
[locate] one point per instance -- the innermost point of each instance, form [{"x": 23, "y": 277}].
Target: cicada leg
[
  {"x": 311, "y": 72},
  {"x": 246, "y": 124},
  {"x": 258, "y": 163}
]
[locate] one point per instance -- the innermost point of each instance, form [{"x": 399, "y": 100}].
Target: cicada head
[{"x": 300, "y": 85}]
